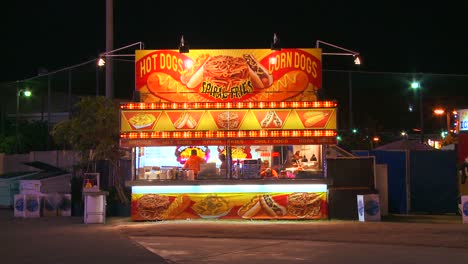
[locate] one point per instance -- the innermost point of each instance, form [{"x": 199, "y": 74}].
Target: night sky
[{"x": 392, "y": 36}]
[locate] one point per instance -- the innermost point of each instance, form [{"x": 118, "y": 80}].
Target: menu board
[
  {"x": 251, "y": 169},
  {"x": 226, "y": 119}
]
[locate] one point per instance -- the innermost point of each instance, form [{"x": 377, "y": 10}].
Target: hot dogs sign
[{"x": 228, "y": 75}]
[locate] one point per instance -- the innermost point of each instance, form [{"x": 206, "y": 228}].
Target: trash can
[
  {"x": 368, "y": 207},
  {"x": 94, "y": 207},
  {"x": 464, "y": 208}
]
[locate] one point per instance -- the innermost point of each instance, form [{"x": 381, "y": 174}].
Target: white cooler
[{"x": 368, "y": 207}]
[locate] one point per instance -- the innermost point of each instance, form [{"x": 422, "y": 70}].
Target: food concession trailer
[{"x": 252, "y": 105}]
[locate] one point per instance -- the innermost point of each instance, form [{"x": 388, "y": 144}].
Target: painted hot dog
[
  {"x": 193, "y": 75},
  {"x": 271, "y": 207},
  {"x": 251, "y": 208},
  {"x": 165, "y": 87},
  {"x": 181, "y": 121},
  {"x": 268, "y": 119},
  {"x": 289, "y": 85},
  {"x": 177, "y": 206},
  {"x": 258, "y": 73}
]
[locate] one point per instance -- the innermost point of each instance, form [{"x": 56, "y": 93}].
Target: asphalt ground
[{"x": 395, "y": 239}]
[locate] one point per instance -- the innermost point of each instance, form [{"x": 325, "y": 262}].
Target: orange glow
[
  {"x": 439, "y": 111},
  {"x": 228, "y": 105},
  {"x": 272, "y": 60}
]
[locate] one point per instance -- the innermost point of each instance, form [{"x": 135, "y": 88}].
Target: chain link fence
[{"x": 372, "y": 102}]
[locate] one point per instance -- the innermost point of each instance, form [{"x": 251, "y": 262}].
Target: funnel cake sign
[{"x": 228, "y": 75}]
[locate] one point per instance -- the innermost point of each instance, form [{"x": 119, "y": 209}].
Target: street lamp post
[
  {"x": 26, "y": 93},
  {"x": 357, "y": 61},
  {"x": 440, "y": 111},
  {"x": 113, "y": 53},
  {"x": 416, "y": 86}
]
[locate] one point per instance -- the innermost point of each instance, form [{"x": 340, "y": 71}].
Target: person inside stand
[
  {"x": 296, "y": 160},
  {"x": 193, "y": 162},
  {"x": 267, "y": 172},
  {"x": 222, "y": 158},
  {"x": 223, "y": 166}
]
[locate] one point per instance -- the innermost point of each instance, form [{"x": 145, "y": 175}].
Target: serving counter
[{"x": 229, "y": 199}]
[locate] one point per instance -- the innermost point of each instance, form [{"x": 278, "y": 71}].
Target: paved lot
[
  {"x": 396, "y": 239},
  {"x": 66, "y": 240}
]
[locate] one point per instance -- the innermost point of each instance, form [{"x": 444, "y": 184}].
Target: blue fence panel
[
  {"x": 433, "y": 182},
  {"x": 396, "y": 166}
]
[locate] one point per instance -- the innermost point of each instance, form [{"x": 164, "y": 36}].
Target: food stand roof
[{"x": 405, "y": 144}]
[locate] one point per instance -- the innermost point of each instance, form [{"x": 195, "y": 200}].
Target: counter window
[{"x": 228, "y": 162}]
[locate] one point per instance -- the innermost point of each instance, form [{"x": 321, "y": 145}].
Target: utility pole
[{"x": 109, "y": 47}]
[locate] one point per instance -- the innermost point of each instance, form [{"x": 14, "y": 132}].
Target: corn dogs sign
[{"x": 228, "y": 75}]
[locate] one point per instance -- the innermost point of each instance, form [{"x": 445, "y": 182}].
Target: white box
[
  {"x": 464, "y": 208},
  {"x": 54, "y": 184},
  {"x": 32, "y": 205},
  {"x": 18, "y": 205},
  {"x": 65, "y": 205},
  {"x": 368, "y": 207},
  {"x": 50, "y": 204},
  {"x": 30, "y": 186}
]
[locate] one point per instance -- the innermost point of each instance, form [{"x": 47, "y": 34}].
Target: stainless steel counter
[{"x": 226, "y": 182}]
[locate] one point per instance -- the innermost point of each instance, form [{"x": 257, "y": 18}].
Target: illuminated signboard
[
  {"x": 463, "y": 119},
  {"x": 225, "y": 119},
  {"x": 289, "y": 201},
  {"x": 261, "y": 123},
  {"x": 228, "y": 75}
]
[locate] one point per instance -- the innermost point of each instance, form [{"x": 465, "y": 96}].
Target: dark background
[{"x": 398, "y": 41}]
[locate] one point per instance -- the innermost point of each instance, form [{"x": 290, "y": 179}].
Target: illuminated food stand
[{"x": 254, "y": 107}]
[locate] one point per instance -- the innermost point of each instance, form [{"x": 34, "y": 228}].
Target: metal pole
[
  {"x": 17, "y": 116},
  {"x": 109, "y": 47},
  {"x": 97, "y": 80},
  {"x": 49, "y": 110},
  {"x": 448, "y": 121},
  {"x": 69, "y": 93},
  {"x": 421, "y": 114},
  {"x": 350, "y": 83}
]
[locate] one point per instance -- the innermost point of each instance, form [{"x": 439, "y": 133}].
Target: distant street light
[
  {"x": 404, "y": 134},
  {"x": 26, "y": 93},
  {"x": 440, "y": 111},
  {"x": 417, "y": 87}
]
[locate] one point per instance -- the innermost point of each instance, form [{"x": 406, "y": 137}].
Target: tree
[
  {"x": 450, "y": 139},
  {"x": 93, "y": 131}
]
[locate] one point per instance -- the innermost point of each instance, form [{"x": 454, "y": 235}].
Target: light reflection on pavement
[{"x": 183, "y": 250}]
